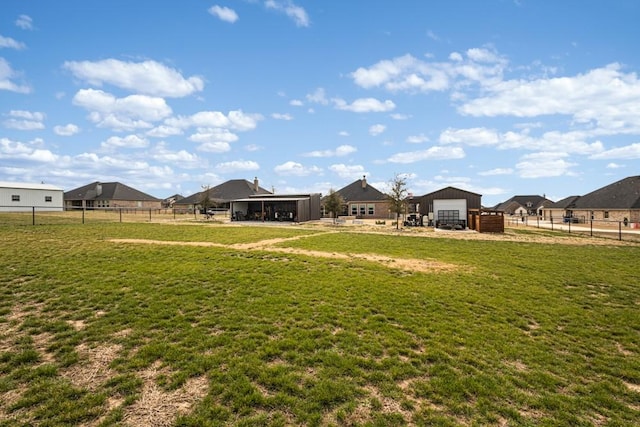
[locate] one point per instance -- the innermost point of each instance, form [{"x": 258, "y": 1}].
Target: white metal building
[{"x": 20, "y": 197}]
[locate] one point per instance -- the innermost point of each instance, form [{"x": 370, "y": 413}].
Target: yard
[{"x": 195, "y": 325}]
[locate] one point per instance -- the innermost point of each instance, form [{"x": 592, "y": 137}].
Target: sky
[{"x": 497, "y": 97}]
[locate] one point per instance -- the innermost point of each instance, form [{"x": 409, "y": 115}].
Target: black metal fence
[
  {"x": 619, "y": 230},
  {"x": 40, "y": 215}
]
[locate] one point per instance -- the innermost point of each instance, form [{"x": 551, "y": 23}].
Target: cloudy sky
[{"x": 498, "y": 97}]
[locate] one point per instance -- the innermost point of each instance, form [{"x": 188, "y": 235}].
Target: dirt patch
[
  {"x": 407, "y": 264},
  {"x": 95, "y": 371},
  {"x": 158, "y": 407}
]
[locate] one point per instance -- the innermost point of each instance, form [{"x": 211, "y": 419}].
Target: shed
[
  {"x": 277, "y": 207},
  {"x": 21, "y": 197},
  {"x": 449, "y": 207}
]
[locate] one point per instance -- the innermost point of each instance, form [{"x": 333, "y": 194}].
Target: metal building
[{"x": 22, "y": 197}]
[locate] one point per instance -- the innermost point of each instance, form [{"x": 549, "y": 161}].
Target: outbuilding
[
  {"x": 449, "y": 207},
  {"x": 277, "y": 207},
  {"x": 21, "y": 197}
]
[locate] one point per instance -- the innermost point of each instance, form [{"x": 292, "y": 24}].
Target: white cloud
[
  {"x": 163, "y": 131},
  {"x": 253, "y": 147},
  {"x": 407, "y": 73},
  {"x": 25, "y": 22},
  {"x": 377, "y": 129},
  {"x": 348, "y": 171},
  {"x": 605, "y": 96},
  {"x": 66, "y": 130},
  {"x": 342, "y": 150},
  {"x": 497, "y": 171},
  {"x": 417, "y": 139},
  {"x": 474, "y": 137},
  {"x": 296, "y": 169},
  {"x": 318, "y": 96},
  {"x": 343, "y": 133},
  {"x": 29, "y": 151},
  {"x": 213, "y": 135},
  {"x": 296, "y": 13},
  {"x": 236, "y": 120},
  {"x": 544, "y": 165},
  {"x": 224, "y": 13},
  {"x": 279, "y": 116},
  {"x": 631, "y": 151},
  {"x": 182, "y": 158},
  {"x": 237, "y": 166},
  {"x": 296, "y": 103},
  {"x": 24, "y": 120},
  {"x": 10, "y": 43},
  {"x": 215, "y": 147},
  {"x": 7, "y": 77},
  {"x": 364, "y": 105},
  {"x": 396, "y": 116},
  {"x": 147, "y": 77},
  {"x": 434, "y": 153},
  {"x": 128, "y": 113},
  {"x": 130, "y": 141},
  {"x": 614, "y": 166}
]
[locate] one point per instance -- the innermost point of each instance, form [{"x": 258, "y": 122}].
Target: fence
[
  {"x": 39, "y": 215},
  {"x": 619, "y": 230}
]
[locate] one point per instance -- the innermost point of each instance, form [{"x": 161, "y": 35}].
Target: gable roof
[
  {"x": 107, "y": 191},
  {"x": 566, "y": 203},
  {"x": 233, "y": 189},
  {"x": 623, "y": 194},
  {"x": 529, "y": 202},
  {"x": 360, "y": 191},
  {"x": 449, "y": 190}
]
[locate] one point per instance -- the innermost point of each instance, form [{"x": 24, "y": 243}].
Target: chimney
[
  {"x": 98, "y": 189},
  {"x": 364, "y": 181},
  {"x": 255, "y": 184}
]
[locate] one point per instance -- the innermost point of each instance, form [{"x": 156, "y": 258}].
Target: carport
[{"x": 293, "y": 208}]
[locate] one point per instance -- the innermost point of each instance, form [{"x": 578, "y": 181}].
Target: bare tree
[
  {"x": 396, "y": 197},
  {"x": 333, "y": 204},
  {"x": 205, "y": 200}
]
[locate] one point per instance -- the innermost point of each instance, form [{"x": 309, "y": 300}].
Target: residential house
[
  {"x": 363, "y": 201},
  {"x": 109, "y": 195},
  {"x": 560, "y": 210},
  {"x": 619, "y": 201},
  {"x": 19, "y": 197},
  {"x": 524, "y": 205},
  {"x": 221, "y": 196}
]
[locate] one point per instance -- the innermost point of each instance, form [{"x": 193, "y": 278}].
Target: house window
[
  {"x": 606, "y": 214},
  {"x": 48, "y": 199},
  {"x": 363, "y": 210},
  {"x": 15, "y": 197},
  {"x": 371, "y": 210},
  {"x": 354, "y": 210}
]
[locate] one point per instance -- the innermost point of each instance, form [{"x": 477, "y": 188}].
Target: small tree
[
  {"x": 205, "y": 200},
  {"x": 396, "y": 197},
  {"x": 333, "y": 204}
]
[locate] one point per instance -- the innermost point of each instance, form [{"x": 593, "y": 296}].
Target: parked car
[{"x": 571, "y": 219}]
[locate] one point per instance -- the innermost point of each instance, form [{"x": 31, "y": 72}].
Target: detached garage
[
  {"x": 449, "y": 207},
  {"x": 22, "y": 197},
  {"x": 277, "y": 207}
]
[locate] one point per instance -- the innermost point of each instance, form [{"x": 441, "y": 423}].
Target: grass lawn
[{"x": 99, "y": 332}]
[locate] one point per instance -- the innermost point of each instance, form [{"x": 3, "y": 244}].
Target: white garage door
[{"x": 450, "y": 211}]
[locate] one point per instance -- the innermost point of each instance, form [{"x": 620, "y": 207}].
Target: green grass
[{"x": 522, "y": 333}]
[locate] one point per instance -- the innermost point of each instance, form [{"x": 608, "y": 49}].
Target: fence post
[
  {"x": 569, "y": 225},
  {"x": 83, "y": 208},
  {"x": 120, "y": 210},
  {"x": 591, "y": 227},
  {"x": 33, "y": 215},
  {"x": 619, "y": 230},
  {"x": 551, "y": 223},
  {"x": 149, "y": 214}
]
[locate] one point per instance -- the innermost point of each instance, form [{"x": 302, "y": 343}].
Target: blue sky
[{"x": 498, "y": 97}]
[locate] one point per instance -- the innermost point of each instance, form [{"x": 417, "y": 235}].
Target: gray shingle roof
[
  {"x": 566, "y": 203},
  {"x": 623, "y": 194},
  {"x": 529, "y": 202},
  {"x": 108, "y": 191},
  {"x": 359, "y": 191},
  {"x": 233, "y": 189}
]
